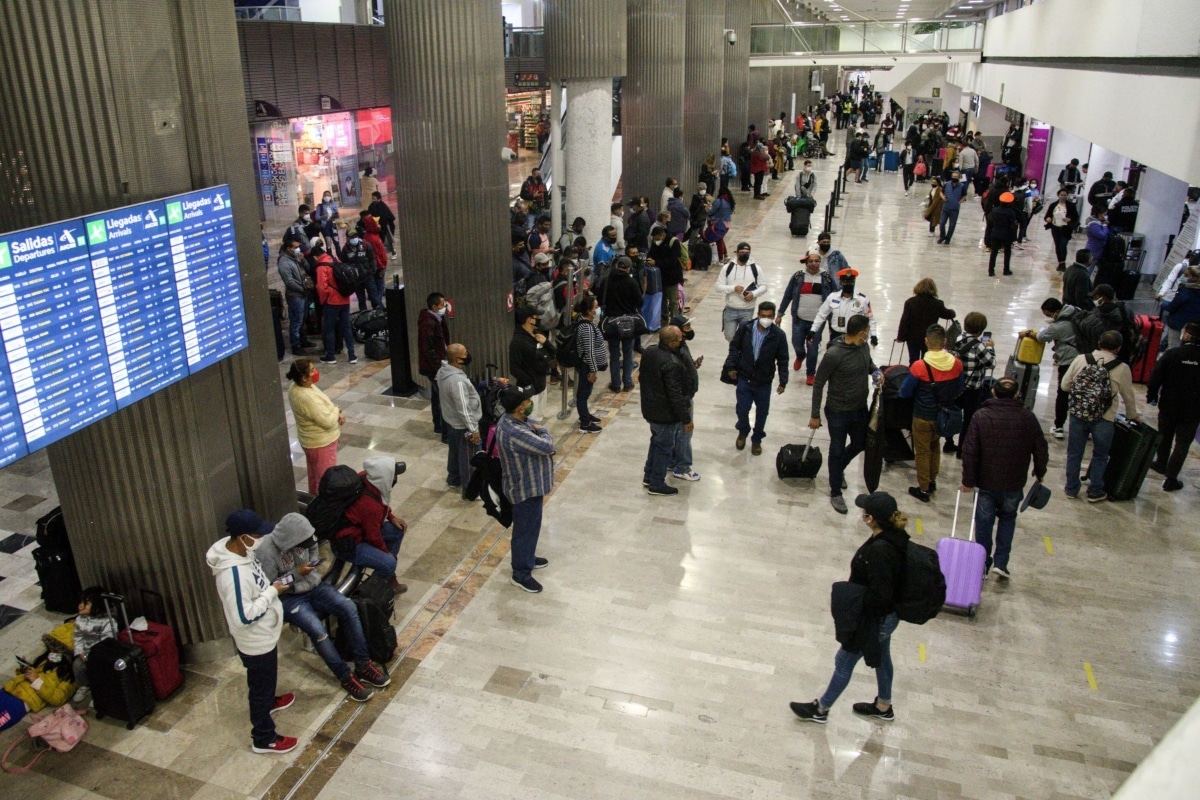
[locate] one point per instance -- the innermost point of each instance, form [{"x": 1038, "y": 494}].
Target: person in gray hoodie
[
  {"x": 1060, "y": 330},
  {"x": 846, "y": 370},
  {"x": 295, "y": 292},
  {"x": 461, "y": 412},
  {"x": 291, "y": 549}
]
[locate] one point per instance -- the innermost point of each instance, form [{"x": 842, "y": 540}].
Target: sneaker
[
  {"x": 372, "y": 675},
  {"x": 662, "y": 491},
  {"x": 1172, "y": 485},
  {"x": 529, "y": 584},
  {"x": 589, "y": 427},
  {"x": 1001, "y": 572},
  {"x": 80, "y": 694},
  {"x": 690, "y": 475},
  {"x": 627, "y": 387},
  {"x": 839, "y": 505},
  {"x": 1097, "y": 497},
  {"x": 796, "y": 365},
  {"x": 1160, "y": 468},
  {"x": 916, "y": 492},
  {"x": 282, "y": 744},
  {"x": 810, "y": 380},
  {"x": 1071, "y": 496},
  {"x": 283, "y": 701},
  {"x": 872, "y": 710},
  {"x": 540, "y": 563},
  {"x": 614, "y": 388},
  {"x": 810, "y": 711},
  {"x": 740, "y": 443},
  {"x": 1057, "y": 432},
  {"x": 353, "y": 359},
  {"x": 328, "y": 360},
  {"x": 356, "y": 690}
]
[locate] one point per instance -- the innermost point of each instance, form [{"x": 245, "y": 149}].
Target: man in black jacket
[
  {"x": 757, "y": 351},
  {"x": 637, "y": 227},
  {"x": 666, "y": 254},
  {"x": 1175, "y": 385},
  {"x": 620, "y": 296},
  {"x": 1077, "y": 285},
  {"x": 665, "y": 405},
  {"x": 529, "y": 357}
]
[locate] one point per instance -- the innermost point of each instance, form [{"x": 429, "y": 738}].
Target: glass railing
[
  {"x": 866, "y": 37},
  {"x": 273, "y": 13},
  {"x": 524, "y": 43}
]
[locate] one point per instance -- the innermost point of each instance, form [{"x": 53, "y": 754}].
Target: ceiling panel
[{"x": 889, "y": 10}]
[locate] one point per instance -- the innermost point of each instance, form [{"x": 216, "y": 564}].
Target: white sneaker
[
  {"x": 1057, "y": 433},
  {"x": 690, "y": 475}
]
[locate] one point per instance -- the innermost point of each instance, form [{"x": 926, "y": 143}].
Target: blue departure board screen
[{"x": 99, "y": 312}]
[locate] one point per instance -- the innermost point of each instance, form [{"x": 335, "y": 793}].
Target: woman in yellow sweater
[{"x": 318, "y": 421}]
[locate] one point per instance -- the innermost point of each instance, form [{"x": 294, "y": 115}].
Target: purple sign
[{"x": 1037, "y": 152}]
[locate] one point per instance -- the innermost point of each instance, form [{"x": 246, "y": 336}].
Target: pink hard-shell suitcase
[{"x": 962, "y": 562}]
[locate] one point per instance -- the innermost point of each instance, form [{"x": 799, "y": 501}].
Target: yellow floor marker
[
  {"x": 1049, "y": 547},
  {"x": 920, "y": 526},
  {"x": 1091, "y": 676},
  {"x": 921, "y": 652}
]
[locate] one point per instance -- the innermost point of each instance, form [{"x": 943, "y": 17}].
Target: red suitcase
[
  {"x": 1151, "y": 329},
  {"x": 162, "y": 656}
]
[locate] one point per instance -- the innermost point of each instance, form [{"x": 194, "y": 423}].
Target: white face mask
[
  {"x": 441, "y": 312},
  {"x": 766, "y": 322},
  {"x": 255, "y": 543},
  {"x": 306, "y": 218},
  {"x": 54, "y": 658}
]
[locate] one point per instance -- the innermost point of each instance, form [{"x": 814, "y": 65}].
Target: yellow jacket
[
  {"x": 316, "y": 416},
  {"x": 49, "y": 688}
]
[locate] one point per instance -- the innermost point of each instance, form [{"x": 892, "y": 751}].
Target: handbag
[
  {"x": 623, "y": 327},
  {"x": 953, "y": 331},
  {"x": 59, "y": 731}
]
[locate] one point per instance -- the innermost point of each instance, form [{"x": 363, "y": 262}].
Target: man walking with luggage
[
  {"x": 527, "y": 462},
  {"x": 846, "y": 368},
  {"x": 254, "y": 615},
  {"x": 1175, "y": 385},
  {"x": 1000, "y": 441},
  {"x": 934, "y": 382},
  {"x": 1095, "y": 381},
  {"x": 757, "y": 351}
]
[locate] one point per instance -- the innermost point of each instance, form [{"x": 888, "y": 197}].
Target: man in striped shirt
[{"x": 527, "y": 463}]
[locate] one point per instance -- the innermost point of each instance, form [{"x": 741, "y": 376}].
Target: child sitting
[
  {"x": 91, "y": 626},
  {"x": 48, "y": 680}
]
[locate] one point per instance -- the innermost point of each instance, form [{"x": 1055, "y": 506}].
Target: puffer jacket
[
  {"x": 664, "y": 396},
  {"x": 54, "y": 683},
  {"x": 1001, "y": 439}
]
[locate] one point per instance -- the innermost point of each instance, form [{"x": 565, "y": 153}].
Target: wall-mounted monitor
[{"x": 101, "y": 311}]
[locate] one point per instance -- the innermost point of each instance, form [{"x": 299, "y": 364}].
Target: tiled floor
[{"x": 673, "y": 631}]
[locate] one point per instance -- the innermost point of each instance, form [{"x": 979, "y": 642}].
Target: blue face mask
[{"x": 354, "y": 240}]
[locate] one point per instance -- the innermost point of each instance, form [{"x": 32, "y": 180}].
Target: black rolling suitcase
[
  {"x": 119, "y": 676},
  {"x": 799, "y": 460},
  {"x": 59, "y": 579},
  {"x": 1026, "y": 376},
  {"x": 1133, "y": 448}
]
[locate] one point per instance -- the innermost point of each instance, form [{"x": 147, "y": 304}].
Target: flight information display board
[{"x": 99, "y": 312}]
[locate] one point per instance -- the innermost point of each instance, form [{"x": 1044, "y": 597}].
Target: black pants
[
  {"x": 1061, "y": 398},
  {"x": 1062, "y": 238},
  {"x": 261, "y": 672},
  {"x": 435, "y": 404},
  {"x": 1177, "y": 436},
  {"x": 758, "y": 182},
  {"x": 996, "y": 248},
  {"x": 908, "y": 177}
]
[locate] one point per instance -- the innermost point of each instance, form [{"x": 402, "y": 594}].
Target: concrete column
[
  {"x": 652, "y": 98},
  {"x": 146, "y": 491},
  {"x": 452, "y": 187},
  {"x": 759, "y": 100},
  {"x": 735, "y": 100},
  {"x": 1162, "y": 199},
  {"x": 588, "y": 153},
  {"x": 704, "y": 72}
]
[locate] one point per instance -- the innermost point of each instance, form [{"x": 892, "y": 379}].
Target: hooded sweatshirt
[
  {"x": 461, "y": 406},
  {"x": 284, "y": 550},
  {"x": 366, "y": 515},
  {"x": 54, "y": 683},
  {"x": 252, "y": 608},
  {"x": 933, "y": 382}
]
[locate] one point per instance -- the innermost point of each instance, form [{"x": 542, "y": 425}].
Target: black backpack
[
  {"x": 340, "y": 486},
  {"x": 350, "y": 276},
  {"x": 377, "y": 629},
  {"x": 923, "y": 589},
  {"x": 567, "y": 349}
]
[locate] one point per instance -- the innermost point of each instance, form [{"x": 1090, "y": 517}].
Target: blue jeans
[
  {"x": 731, "y": 318},
  {"x": 375, "y": 284},
  {"x": 620, "y": 361},
  {"x": 296, "y": 308},
  {"x": 526, "y": 527},
  {"x": 845, "y": 661},
  {"x": 663, "y": 436},
  {"x": 758, "y": 394},
  {"x": 368, "y": 555},
  {"x": 992, "y": 505},
  {"x": 681, "y": 457},
  {"x": 335, "y": 318},
  {"x": 306, "y": 611},
  {"x": 261, "y": 674},
  {"x": 1101, "y": 431},
  {"x": 805, "y": 350},
  {"x": 843, "y": 425},
  {"x": 948, "y": 215}
]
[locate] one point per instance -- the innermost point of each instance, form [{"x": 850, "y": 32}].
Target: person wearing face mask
[
  {"x": 758, "y": 350},
  {"x": 680, "y": 462},
  {"x": 698, "y": 213},
  {"x": 368, "y": 229},
  {"x": 806, "y": 182},
  {"x": 296, "y": 288},
  {"x": 433, "y": 335},
  {"x": 667, "y": 407},
  {"x": 742, "y": 283},
  {"x": 326, "y": 213},
  {"x": 370, "y": 529},
  {"x": 254, "y": 615},
  {"x": 299, "y": 229},
  {"x": 832, "y": 261},
  {"x": 605, "y": 250},
  {"x": 621, "y": 296},
  {"x": 839, "y": 308},
  {"x": 526, "y": 452},
  {"x": 529, "y": 356},
  {"x": 1061, "y": 218},
  {"x": 356, "y": 251},
  {"x": 954, "y": 192},
  {"x": 461, "y": 411},
  {"x": 805, "y": 293},
  {"x": 50, "y": 681},
  {"x": 908, "y": 163},
  {"x": 666, "y": 254},
  {"x": 318, "y": 421},
  {"x": 335, "y": 306}
]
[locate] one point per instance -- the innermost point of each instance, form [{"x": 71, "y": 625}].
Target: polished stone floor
[{"x": 673, "y": 632}]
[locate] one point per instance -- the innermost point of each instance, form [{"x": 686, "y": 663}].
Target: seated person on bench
[
  {"x": 291, "y": 550},
  {"x": 372, "y": 528}
]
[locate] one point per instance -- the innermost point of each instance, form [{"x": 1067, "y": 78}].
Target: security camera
[
  {"x": 506, "y": 154},
  {"x": 731, "y": 37}
]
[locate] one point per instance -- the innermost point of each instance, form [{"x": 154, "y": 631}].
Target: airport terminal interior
[{"x": 673, "y": 631}]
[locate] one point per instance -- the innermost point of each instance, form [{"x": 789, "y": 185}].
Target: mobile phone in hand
[
  {"x": 987, "y": 337},
  {"x": 316, "y": 562},
  {"x": 23, "y": 663},
  {"x": 287, "y": 580}
]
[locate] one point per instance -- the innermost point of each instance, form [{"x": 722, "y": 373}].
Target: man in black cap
[
  {"x": 680, "y": 464},
  {"x": 1000, "y": 440},
  {"x": 527, "y": 460}
]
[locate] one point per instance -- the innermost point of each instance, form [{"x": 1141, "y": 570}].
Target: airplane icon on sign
[{"x": 66, "y": 241}]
